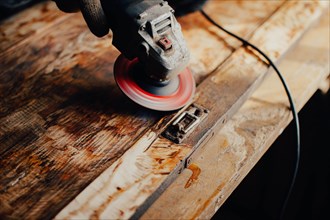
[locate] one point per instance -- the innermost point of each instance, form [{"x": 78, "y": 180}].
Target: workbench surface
[{"x": 73, "y": 146}]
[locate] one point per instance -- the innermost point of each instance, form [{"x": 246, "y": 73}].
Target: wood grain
[
  {"x": 63, "y": 120},
  {"x": 20, "y": 28},
  {"x": 64, "y": 123},
  {"x": 153, "y": 153},
  {"x": 210, "y": 46},
  {"x": 59, "y": 126},
  {"x": 237, "y": 147}
]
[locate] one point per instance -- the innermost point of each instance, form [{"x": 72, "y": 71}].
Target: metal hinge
[{"x": 185, "y": 123}]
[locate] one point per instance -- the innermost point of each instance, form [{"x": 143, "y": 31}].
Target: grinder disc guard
[{"x": 162, "y": 97}]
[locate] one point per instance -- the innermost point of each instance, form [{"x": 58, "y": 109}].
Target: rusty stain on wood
[{"x": 194, "y": 176}]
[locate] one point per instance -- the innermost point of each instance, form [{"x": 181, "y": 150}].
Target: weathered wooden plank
[
  {"x": 58, "y": 128},
  {"x": 67, "y": 47},
  {"x": 21, "y": 27},
  {"x": 155, "y": 162},
  {"x": 210, "y": 46},
  {"x": 225, "y": 161},
  {"x": 63, "y": 119}
]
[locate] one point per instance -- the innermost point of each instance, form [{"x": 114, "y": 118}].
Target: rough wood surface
[
  {"x": 63, "y": 119},
  {"x": 210, "y": 46},
  {"x": 221, "y": 165},
  {"x": 64, "y": 122},
  {"x": 59, "y": 126},
  {"x": 23, "y": 26},
  {"x": 153, "y": 162}
]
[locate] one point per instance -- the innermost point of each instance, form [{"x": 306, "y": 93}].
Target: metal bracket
[{"x": 185, "y": 123}]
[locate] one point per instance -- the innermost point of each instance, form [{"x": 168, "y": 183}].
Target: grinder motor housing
[{"x": 148, "y": 30}]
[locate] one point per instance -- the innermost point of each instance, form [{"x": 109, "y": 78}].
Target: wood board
[
  {"x": 60, "y": 128},
  {"x": 218, "y": 167}
]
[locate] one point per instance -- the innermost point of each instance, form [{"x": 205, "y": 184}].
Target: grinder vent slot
[{"x": 163, "y": 25}]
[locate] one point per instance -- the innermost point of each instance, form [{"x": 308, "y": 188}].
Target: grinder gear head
[{"x": 155, "y": 55}]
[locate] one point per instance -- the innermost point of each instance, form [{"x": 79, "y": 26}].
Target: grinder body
[
  {"x": 152, "y": 69},
  {"x": 149, "y": 31}
]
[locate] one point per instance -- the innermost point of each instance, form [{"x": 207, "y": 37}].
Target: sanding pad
[{"x": 179, "y": 92}]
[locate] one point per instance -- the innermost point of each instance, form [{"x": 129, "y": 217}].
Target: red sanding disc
[{"x": 174, "y": 101}]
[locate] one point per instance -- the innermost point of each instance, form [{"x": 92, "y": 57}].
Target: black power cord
[{"x": 292, "y": 106}]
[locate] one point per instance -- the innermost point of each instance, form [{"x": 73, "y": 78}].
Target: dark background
[{"x": 11, "y": 7}]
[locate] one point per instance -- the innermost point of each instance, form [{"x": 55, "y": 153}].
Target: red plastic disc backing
[{"x": 174, "y": 101}]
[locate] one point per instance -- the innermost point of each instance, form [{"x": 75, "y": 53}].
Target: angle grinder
[{"x": 152, "y": 68}]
